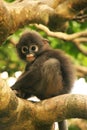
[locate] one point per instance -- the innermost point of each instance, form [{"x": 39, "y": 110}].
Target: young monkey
[{"x": 48, "y": 73}]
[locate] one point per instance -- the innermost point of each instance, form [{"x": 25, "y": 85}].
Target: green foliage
[
  {"x": 9, "y": 59},
  {"x": 10, "y": 62},
  {"x": 72, "y": 127},
  {"x": 9, "y": 0},
  {"x": 77, "y": 55}
]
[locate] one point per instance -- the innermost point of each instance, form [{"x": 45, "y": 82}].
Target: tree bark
[
  {"x": 55, "y": 14},
  {"x": 19, "y": 114}
]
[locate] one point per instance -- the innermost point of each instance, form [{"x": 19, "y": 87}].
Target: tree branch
[
  {"x": 76, "y": 38},
  {"x": 81, "y": 16},
  {"x": 81, "y": 71},
  {"x": 70, "y": 8},
  {"x": 54, "y": 14},
  {"x": 16, "y": 113}
]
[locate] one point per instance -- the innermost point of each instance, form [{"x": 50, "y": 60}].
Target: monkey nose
[{"x": 30, "y": 57}]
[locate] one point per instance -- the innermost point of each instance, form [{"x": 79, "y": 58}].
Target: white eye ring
[
  {"x": 33, "y": 48},
  {"x": 24, "y": 49}
]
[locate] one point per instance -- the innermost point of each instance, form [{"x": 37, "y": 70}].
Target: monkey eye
[
  {"x": 33, "y": 48},
  {"x": 24, "y": 49}
]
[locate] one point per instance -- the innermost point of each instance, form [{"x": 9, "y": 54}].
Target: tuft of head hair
[{"x": 31, "y": 36}]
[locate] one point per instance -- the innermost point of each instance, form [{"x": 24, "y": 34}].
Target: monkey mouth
[{"x": 30, "y": 57}]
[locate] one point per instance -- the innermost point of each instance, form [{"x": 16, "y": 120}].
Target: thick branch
[
  {"x": 70, "y": 8},
  {"x": 18, "y": 14},
  {"x": 16, "y": 113},
  {"x": 53, "y": 14}
]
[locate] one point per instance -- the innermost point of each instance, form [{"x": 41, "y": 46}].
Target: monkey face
[
  {"x": 30, "y": 46},
  {"x": 30, "y": 52}
]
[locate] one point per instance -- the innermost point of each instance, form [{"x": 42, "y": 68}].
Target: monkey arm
[
  {"x": 25, "y": 83},
  {"x": 27, "y": 79}
]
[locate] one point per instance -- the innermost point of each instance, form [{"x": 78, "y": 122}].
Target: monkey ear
[{"x": 45, "y": 41}]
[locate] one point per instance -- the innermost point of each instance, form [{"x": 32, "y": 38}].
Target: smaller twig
[
  {"x": 82, "y": 16},
  {"x": 61, "y": 35},
  {"x": 80, "y": 40},
  {"x": 80, "y": 48},
  {"x": 12, "y": 41},
  {"x": 76, "y": 38},
  {"x": 81, "y": 70}
]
